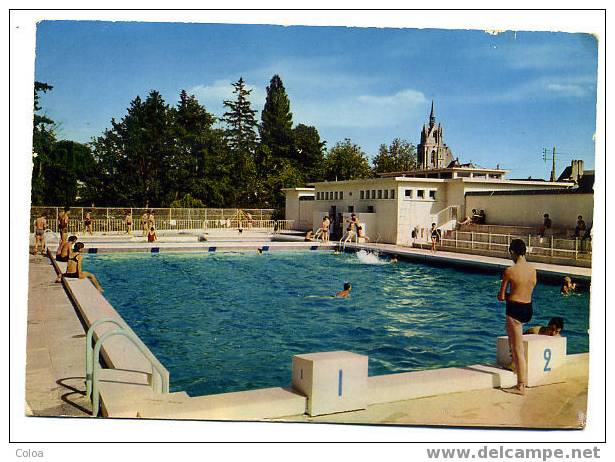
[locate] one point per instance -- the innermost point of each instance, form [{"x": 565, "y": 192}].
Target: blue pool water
[{"x": 232, "y": 321}]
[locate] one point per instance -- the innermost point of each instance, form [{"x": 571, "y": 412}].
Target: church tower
[{"x": 432, "y": 152}]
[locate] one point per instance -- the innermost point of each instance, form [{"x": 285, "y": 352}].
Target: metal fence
[
  {"x": 536, "y": 245},
  {"x": 113, "y": 220}
]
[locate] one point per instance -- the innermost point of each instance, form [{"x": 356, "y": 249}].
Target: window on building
[
  {"x": 408, "y": 193},
  {"x": 392, "y": 194},
  {"x": 351, "y": 209},
  {"x": 386, "y": 193},
  {"x": 335, "y": 195},
  {"x": 341, "y": 195},
  {"x": 420, "y": 194},
  {"x": 362, "y": 194},
  {"x": 373, "y": 193},
  {"x": 380, "y": 194},
  {"x": 432, "y": 194},
  {"x": 370, "y": 209}
]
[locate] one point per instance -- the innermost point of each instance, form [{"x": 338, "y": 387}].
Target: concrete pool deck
[{"x": 55, "y": 372}]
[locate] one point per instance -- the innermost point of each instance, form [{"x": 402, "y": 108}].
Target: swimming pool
[{"x": 225, "y": 322}]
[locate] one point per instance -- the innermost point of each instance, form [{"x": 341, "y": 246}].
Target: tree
[
  {"x": 310, "y": 152},
  {"x": 201, "y": 161},
  {"x": 43, "y": 139},
  {"x": 242, "y": 140},
  {"x": 277, "y": 121},
  {"x": 399, "y": 156},
  {"x": 136, "y": 154},
  {"x": 67, "y": 172},
  {"x": 346, "y": 161}
]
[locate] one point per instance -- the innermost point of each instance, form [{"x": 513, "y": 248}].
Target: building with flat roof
[{"x": 393, "y": 204}]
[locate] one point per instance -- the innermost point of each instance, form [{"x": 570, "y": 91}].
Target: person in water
[
  {"x": 74, "y": 267},
  {"x": 568, "y": 286},
  {"x": 394, "y": 259},
  {"x": 64, "y": 249},
  {"x": 553, "y": 329},
  {"x": 521, "y": 280},
  {"x": 346, "y": 292}
]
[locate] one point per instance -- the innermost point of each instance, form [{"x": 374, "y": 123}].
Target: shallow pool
[{"x": 232, "y": 321}]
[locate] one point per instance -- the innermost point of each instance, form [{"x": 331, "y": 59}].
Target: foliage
[
  {"x": 399, "y": 156},
  {"x": 60, "y": 168},
  {"x": 242, "y": 140},
  {"x": 346, "y": 161},
  {"x": 187, "y": 202},
  {"x": 159, "y": 155}
]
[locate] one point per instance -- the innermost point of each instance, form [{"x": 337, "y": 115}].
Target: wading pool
[{"x": 222, "y": 322}]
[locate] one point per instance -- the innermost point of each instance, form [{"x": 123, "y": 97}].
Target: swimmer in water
[
  {"x": 568, "y": 286},
  {"x": 394, "y": 259},
  {"x": 346, "y": 292}
]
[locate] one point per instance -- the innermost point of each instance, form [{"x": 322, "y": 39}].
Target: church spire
[{"x": 432, "y": 116}]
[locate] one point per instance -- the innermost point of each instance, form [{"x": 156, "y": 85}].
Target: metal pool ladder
[{"x": 160, "y": 383}]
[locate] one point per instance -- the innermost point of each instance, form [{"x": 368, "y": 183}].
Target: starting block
[
  {"x": 334, "y": 381},
  {"x": 545, "y": 356}
]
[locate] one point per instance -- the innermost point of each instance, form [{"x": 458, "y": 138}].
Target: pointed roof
[{"x": 432, "y": 115}]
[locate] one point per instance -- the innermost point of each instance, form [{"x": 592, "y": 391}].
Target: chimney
[{"x": 576, "y": 171}]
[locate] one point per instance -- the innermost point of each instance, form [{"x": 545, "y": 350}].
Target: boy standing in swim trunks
[
  {"x": 40, "y": 224},
  {"x": 521, "y": 277}
]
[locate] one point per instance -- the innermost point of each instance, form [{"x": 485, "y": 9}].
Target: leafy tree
[
  {"x": 242, "y": 140},
  {"x": 399, "y": 156},
  {"x": 277, "y": 121},
  {"x": 43, "y": 139},
  {"x": 67, "y": 172},
  {"x": 136, "y": 154},
  {"x": 346, "y": 161},
  {"x": 187, "y": 202},
  {"x": 310, "y": 152}
]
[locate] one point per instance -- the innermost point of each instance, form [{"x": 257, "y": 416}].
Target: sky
[{"x": 501, "y": 98}]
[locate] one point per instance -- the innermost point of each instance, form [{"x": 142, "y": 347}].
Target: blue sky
[{"x": 500, "y": 98}]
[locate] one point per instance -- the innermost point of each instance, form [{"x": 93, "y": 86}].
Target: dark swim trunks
[
  {"x": 522, "y": 312},
  {"x": 71, "y": 275},
  {"x": 62, "y": 258}
]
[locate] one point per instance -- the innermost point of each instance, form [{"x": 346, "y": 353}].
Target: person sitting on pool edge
[
  {"x": 567, "y": 286},
  {"x": 553, "y": 329},
  {"x": 346, "y": 292},
  {"x": 64, "y": 249},
  {"x": 74, "y": 267}
]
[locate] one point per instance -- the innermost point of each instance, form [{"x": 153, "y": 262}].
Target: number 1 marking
[{"x": 547, "y": 356}]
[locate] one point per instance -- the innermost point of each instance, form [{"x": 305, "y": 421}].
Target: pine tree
[
  {"x": 277, "y": 121},
  {"x": 242, "y": 140}
]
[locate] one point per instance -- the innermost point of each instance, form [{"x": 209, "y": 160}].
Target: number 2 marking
[{"x": 547, "y": 356}]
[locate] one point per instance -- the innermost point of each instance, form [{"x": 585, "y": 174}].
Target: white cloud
[
  {"x": 543, "y": 88},
  {"x": 363, "y": 111},
  {"x": 404, "y": 97}
]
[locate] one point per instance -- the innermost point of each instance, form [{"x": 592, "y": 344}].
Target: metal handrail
[
  {"x": 551, "y": 248},
  {"x": 160, "y": 383},
  {"x": 89, "y": 356}
]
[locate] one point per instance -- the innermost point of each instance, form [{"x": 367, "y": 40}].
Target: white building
[
  {"x": 395, "y": 203},
  {"x": 391, "y": 207}
]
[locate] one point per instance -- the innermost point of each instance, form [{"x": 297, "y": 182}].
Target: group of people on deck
[{"x": 69, "y": 249}]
